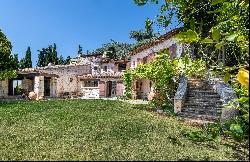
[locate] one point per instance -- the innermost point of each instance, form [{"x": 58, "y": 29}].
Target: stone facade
[
  {"x": 39, "y": 86},
  {"x": 150, "y": 52},
  {"x": 4, "y": 89}
]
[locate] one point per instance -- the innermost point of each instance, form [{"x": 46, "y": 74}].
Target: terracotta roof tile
[{"x": 155, "y": 42}]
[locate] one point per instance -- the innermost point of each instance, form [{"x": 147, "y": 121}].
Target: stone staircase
[{"x": 201, "y": 102}]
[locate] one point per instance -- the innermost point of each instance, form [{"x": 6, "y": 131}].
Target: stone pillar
[
  {"x": 39, "y": 86},
  {"x": 4, "y": 88},
  {"x": 102, "y": 88},
  {"x": 53, "y": 87},
  {"x": 133, "y": 91},
  {"x": 1, "y": 89}
]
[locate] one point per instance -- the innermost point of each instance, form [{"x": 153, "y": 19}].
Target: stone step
[
  {"x": 196, "y": 80},
  {"x": 203, "y": 101},
  {"x": 193, "y": 113},
  {"x": 190, "y": 88},
  {"x": 201, "y": 110},
  {"x": 199, "y": 117},
  {"x": 200, "y": 84},
  {"x": 201, "y": 93},
  {"x": 199, "y": 99},
  {"x": 199, "y": 96},
  {"x": 204, "y": 106},
  {"x": 193, "y": 108}
]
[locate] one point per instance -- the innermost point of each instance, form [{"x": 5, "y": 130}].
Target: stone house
[
  {"x": 106, "y": 80},
  {"x": 92, "y": 76},
  {"x": 88, "y": 76},
  {"x": 43, "y": 84},
  {"x": 146, "y": 53}
]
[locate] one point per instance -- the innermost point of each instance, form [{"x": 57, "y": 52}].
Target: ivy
[
  {"x": 128, "y": 79},
  {"x": 162, "y": 72}
]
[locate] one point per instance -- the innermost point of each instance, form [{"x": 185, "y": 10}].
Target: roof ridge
[{"x": 155, "y": 42}]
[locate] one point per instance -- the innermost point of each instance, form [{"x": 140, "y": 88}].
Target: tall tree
[
  {"x": 142, "y": 35},
  {"x": 67, "y": 60},
  {"x": 114, "y": 49},
  {"x": 79, "y": 52},
  {"x": 48, "y": 55},
  {"x": 61, "y": 60},
  {"x": 26, "y": 61},
  {"x": 7, "y": 62},
  {"x": 28, "y": 58},
  {"x": 16, "y": 61},
  {"x": 193, "y": 14},
  {"x": 54, "y": 55},
  {"x": 41, "y": 58}
]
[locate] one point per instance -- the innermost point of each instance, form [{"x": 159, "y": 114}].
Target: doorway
[
  {"x": 108, "y": 88},
  {"x": 15, "y": 87},
  {"x": 46, "y": 86},
  {"x": 139, "y": 89}
]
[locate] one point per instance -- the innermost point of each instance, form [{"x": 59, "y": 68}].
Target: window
[
  {"x": 121, "y": 67},
  {"x": 144, "y": 60},
  {"x": 105, "y": 68},
  {"x": 95, "y": 68},
  {"x": 91, "y": 83},
  {"x": 172, "y": 51}
]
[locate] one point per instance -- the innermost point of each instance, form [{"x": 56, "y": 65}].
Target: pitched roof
[
  {"x": 155, "y": 42},
  {"x": 117, "y": 75}
]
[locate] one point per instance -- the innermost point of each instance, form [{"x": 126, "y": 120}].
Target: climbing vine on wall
[
  {"x": 163, "y": 73},
  {"x": 128, "y": 78}
]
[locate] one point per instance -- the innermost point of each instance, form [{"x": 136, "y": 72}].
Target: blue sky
[{"x": 68, "y": 23}]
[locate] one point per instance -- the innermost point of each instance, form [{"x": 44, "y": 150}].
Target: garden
[{"x": 100, "y": 130}]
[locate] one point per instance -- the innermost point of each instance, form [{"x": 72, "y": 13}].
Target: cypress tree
[
  {"x": 41, "y": 58},
  {"x": 61, "y": 60},
  {"x": 67, "y": 60},
  {"x": 28, "y": 62},
  {"x": 54, "y": 55}
]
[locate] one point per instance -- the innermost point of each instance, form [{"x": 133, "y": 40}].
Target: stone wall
[
  {"x": 111, "y": 68},
  {"x": 146, "y": 88},
  {"x": 27, "y": 84},
  {"x": 164, "y": 45},
  {"x": 67, "y": 80},
  {"x": 39, "y": 86},
  {"x": 180, "y": 95},
  {"x": 120, "y": 88},
  {"x": 227, "y": 94},
  {"x": 90, "y": 92},
  {"x": 102, "y": 89},
  {"x": 4, "y": 89}
]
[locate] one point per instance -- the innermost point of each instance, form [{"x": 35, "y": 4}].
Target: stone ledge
[
  {"x": 227, "y": 94},
  {"x": 180, "y": 94}
]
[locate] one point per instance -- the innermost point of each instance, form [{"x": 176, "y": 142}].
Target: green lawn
[{"x": 96, "y": 130}]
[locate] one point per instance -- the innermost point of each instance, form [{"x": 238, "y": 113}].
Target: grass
[{"x": 96, "y": 130}]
